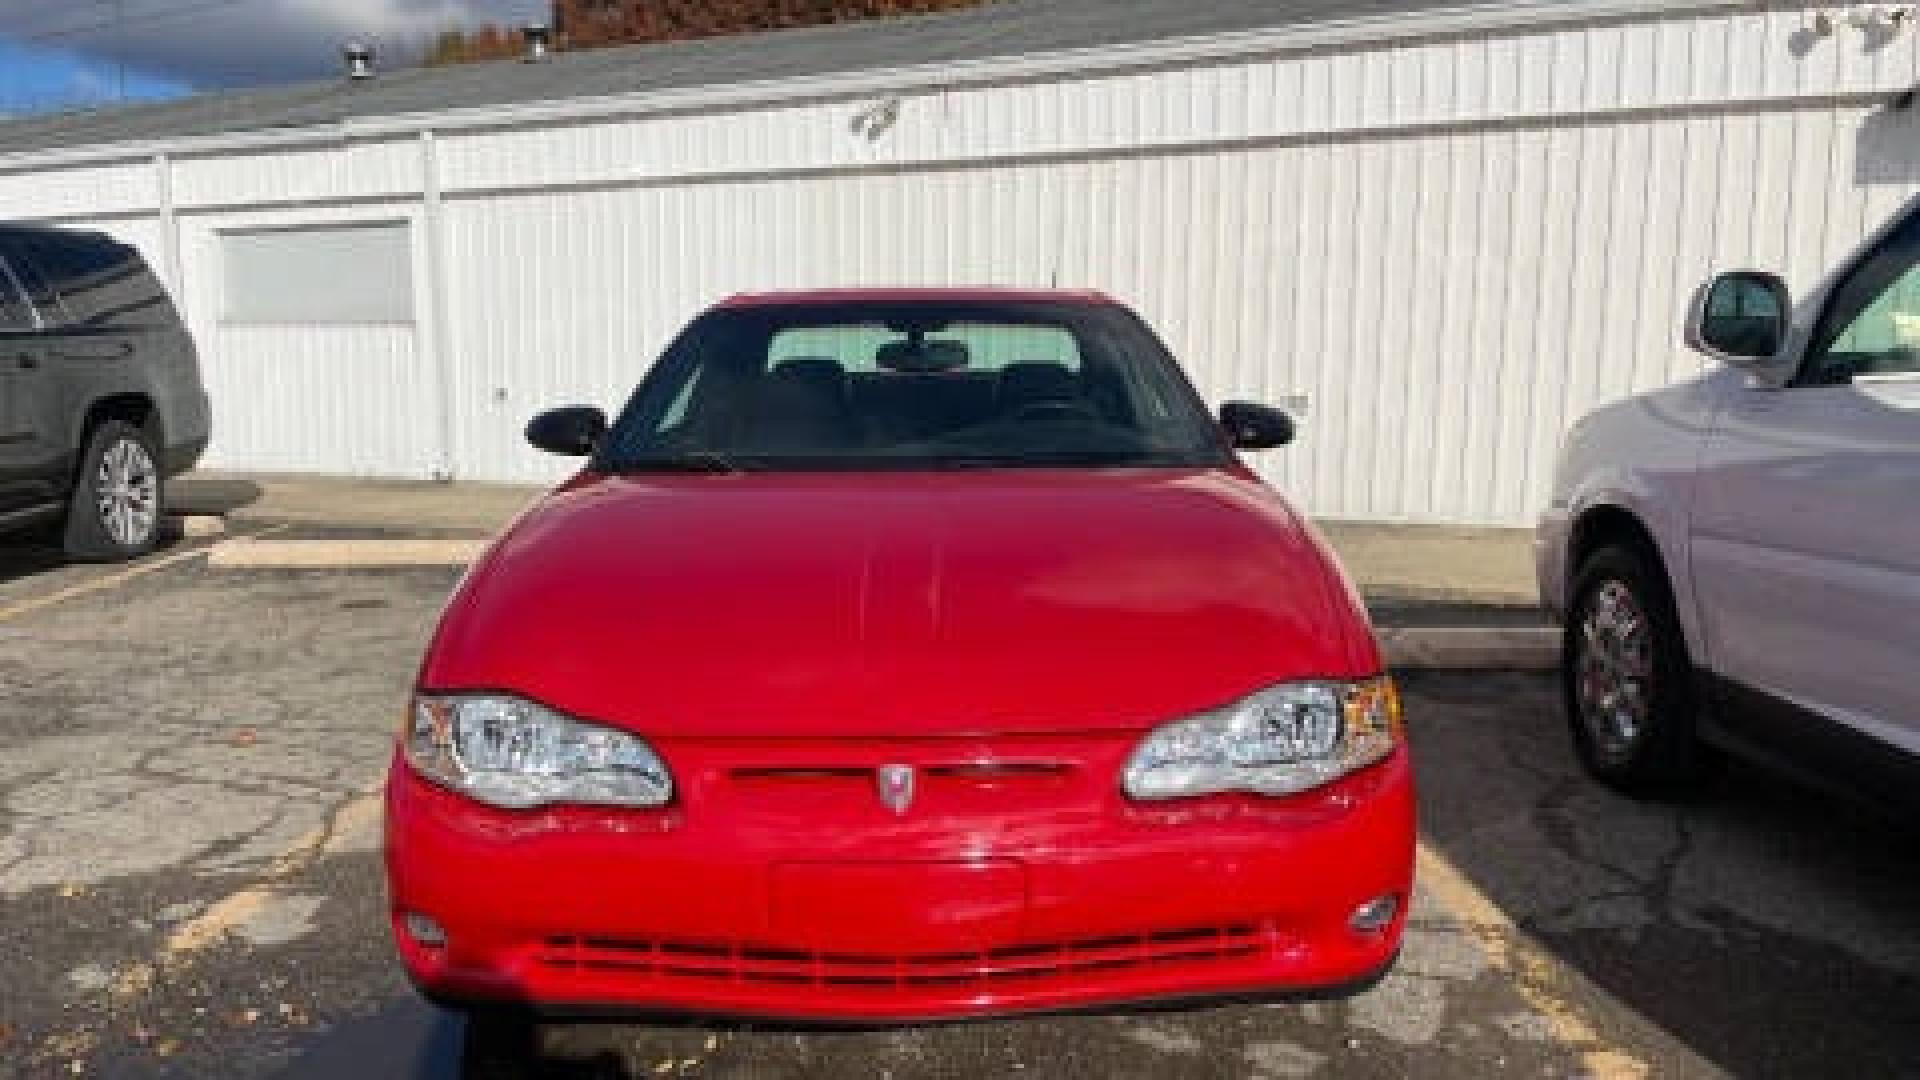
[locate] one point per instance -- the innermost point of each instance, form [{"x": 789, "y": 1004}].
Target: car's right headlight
[
  {"x": 1280, "y": 741},
  {"x": 513, "y": 753}
]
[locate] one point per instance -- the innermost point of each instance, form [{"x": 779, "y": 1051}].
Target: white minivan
[{"x": 1736, "y": 559}]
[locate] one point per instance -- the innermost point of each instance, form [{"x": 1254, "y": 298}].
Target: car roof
[
  {"x": 879, "y": 296},
  {"x": 32, "y": 228}
]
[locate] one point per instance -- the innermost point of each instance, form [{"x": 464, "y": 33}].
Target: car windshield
[{"x": 914, "y": 386}]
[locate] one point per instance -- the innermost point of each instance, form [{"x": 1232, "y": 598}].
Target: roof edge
[{"x": 1375, "y": 29}]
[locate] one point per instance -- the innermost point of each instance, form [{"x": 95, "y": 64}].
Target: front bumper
[{"x": 978, "y": 901}]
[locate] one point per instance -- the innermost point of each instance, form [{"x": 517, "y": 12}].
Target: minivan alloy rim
[
  {"x": 127, "y": 491},
  {"x": 1614, "y": 668}
]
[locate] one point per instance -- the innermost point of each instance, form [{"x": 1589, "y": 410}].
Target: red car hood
[{"x": 900, "y": 604}]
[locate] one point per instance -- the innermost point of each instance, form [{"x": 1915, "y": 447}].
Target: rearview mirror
[
  {"x": 574, "y": 431},
  {"x": 1740, "y": 318},
  {"x": 1255, "y": 427}
]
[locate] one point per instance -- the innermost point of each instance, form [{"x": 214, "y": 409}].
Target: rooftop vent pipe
[
  {"x": 539, "y": 39},
  {"x": 359, "y": 61}
]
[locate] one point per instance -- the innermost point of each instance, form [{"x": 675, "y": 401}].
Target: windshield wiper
[{"x": 685, "y": 461}]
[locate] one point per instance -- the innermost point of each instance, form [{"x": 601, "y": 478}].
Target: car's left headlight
[
  {"x": 1280, "y": 741},
  {"x": 509, "y": 752}
]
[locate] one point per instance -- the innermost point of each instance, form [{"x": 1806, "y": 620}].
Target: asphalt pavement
[{"x": 190, "y": 885}]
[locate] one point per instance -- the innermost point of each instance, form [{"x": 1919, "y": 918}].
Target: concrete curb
[
  {"x": 201, "y": 526},
  {"x": 1507, "y": 648},
  {"x": 1404, "y": 594},
  {"x": 246, "y": 554}
]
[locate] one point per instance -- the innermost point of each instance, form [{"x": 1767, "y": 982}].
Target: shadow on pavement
[
  {"x": 199, "y": 493},
  {"x": 1768, "y": 927},
  {"x": 22, "y": 560},
  {"x": 23, "y": 557},
  {"x": 410, "y": 1039},
  {"x": 32, "y": 553}
]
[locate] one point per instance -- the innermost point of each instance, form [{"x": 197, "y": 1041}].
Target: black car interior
[{"x": 916, "y": 392}]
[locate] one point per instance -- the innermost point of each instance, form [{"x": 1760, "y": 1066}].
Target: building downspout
[
  {"x": 172, "y": 266},
  {"x": 434, "y": 313}
]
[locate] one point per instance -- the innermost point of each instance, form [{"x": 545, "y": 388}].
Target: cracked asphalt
[{"x": 190, "y": 886}]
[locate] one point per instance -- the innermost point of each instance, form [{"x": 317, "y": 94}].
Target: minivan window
[{"x": 1872, "y": 326}]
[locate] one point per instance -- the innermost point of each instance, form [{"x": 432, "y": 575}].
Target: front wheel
[
  {"x": 114, "y": 512},
  {"x": 1627, "y": 678}
]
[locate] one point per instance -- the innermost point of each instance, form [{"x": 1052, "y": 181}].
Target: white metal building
[{"x": 1442, "y": 233}]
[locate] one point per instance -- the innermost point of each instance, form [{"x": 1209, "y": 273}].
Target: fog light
[
  {"x": 424, "y": 930},
  {"x": 1375, "y": 915}
]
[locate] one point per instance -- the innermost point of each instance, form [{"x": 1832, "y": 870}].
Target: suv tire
[
  {"x": 1627, "y": 679},
  {"x": 114, "y": 511}
]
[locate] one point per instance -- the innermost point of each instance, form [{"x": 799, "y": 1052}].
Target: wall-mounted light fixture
[
  {"x": 877, "y": 119},
  {"x": 1880, "y": 19}
]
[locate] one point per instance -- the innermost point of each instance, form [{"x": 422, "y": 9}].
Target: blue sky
[
  {"x": 71, "y": 53},
  {"x": 33, "y": 79}
]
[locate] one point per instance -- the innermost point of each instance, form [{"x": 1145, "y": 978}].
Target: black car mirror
[
  {"x": 574, "y": 431},
  {"x": 1256, "y": 427}
]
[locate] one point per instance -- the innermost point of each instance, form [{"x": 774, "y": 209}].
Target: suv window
[
  {"x": 1872, "y": 324},
  {"x": 69, "y": 275},
  {"x": 53, "y": 312},
  {"x": 15, "y": 314}
]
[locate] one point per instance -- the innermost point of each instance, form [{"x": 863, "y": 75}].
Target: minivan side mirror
[
  {"x": 1740, "y": 318},
  {"x": 1255, "y": 427},
  {"x": 574, "y": 431}
]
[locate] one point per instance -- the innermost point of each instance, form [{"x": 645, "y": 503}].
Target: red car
[{"x": 902, "y": 655}]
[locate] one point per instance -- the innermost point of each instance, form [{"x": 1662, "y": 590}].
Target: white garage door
[{"x": 315, "y": 363}]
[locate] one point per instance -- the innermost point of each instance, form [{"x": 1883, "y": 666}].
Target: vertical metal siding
[
  {"x": 89, "y": 192},
  {"x": 346, "y": 400}
]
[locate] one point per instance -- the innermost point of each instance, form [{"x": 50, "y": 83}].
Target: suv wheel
[
  {"x": 114, "y": 512},
  {"x": 1627, "y": 678}
]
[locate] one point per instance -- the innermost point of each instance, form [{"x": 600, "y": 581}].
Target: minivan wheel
[
  {"x": 114, "y": 512},
  {"x": 1627, "y": 679}
]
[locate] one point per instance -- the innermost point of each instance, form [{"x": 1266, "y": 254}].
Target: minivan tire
[
  {"x": 1627, "y": 679},
  {"x": 114, "y": 512}
]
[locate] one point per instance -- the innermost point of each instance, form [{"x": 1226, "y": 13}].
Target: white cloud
[{"x": 246, "y": 42}]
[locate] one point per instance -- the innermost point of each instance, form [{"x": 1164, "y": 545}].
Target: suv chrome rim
[
  {"x": 127, "y": 493},
  {"x": 1614, "y": 669}
]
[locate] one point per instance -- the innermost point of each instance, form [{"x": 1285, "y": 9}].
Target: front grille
[
  {"x": 768, "y": 965},
  {"x": 973, "y": 772}
]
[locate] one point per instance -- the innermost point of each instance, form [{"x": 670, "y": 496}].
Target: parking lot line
[
  {"x": 246, "y": 554},
  {"x": 342, "y": 829},
  {"x": 112, "y": 581},
  {"x": 1532, "y": 971}
]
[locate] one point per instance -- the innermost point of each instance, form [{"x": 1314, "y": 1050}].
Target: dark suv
[{"x": 100, "y": 393}]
